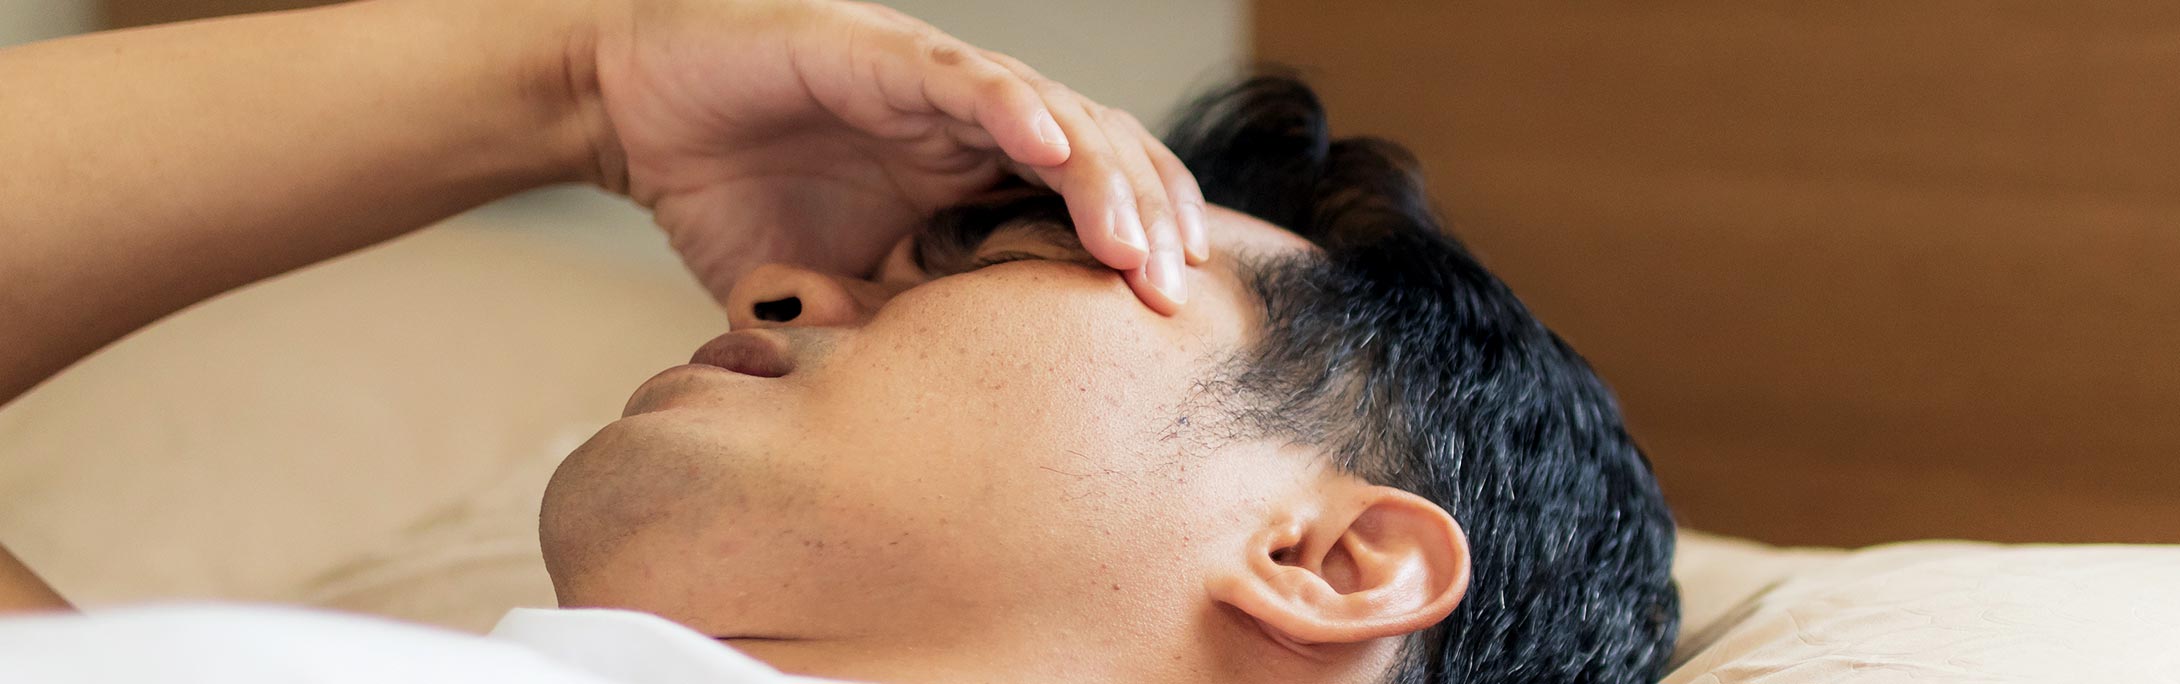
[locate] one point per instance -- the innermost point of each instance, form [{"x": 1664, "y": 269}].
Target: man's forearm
[{"x": 143, "y": 171}]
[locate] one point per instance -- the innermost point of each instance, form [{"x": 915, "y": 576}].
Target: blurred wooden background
[{"x": 1860, "y": 271}]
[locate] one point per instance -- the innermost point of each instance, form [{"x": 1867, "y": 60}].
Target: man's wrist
[
  {"x": 538, "y": 62},
  {"x": 569, "y": 77}
]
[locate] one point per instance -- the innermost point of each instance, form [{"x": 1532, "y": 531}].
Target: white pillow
[
  {"x": 299, "y": 439},
  {"x": 1928, "y": 612}
]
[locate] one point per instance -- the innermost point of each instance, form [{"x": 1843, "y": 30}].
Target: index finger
[
  {"x": 928, "y": 71},
  {"x": 1147, "y": 182}
]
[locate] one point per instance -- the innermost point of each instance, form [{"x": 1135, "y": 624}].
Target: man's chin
[{"x": 635, "y": 474}]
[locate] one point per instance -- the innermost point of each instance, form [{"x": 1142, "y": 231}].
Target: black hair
[{"x": 1395, "y": 353}]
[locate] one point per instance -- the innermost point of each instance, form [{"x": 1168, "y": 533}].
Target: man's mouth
[{"x": 756, "y": 352}]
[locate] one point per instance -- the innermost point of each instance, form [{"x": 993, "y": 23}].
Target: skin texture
[
  {"x": 159, "y": 167},
  {"x": 1000, "y": 474}
]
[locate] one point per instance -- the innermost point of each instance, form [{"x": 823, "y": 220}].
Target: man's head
[{"x": 1353, "y": 457}]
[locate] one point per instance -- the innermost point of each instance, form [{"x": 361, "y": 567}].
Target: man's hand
[{"x": 821, "y": 132}]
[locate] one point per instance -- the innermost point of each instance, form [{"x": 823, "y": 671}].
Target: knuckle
[
  {"x": 928, "y": 45},
  {"x": 1152, "y": 199},
  {"x": 944, "y": 52},
  {"x": 1153, "y": 205},
  {"x": 996, "y": 85},
  {"x": 1161, "y": 227}
]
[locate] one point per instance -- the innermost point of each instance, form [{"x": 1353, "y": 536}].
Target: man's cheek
[{"x": 982, "y": 374}]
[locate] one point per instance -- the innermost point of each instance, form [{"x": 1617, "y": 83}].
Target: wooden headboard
[{"x": 1859, "y": 271}]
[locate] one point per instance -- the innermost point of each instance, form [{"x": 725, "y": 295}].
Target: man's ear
[{"x": 1381, "y": 563}]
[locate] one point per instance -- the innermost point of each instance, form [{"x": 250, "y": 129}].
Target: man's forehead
[{"x": 1235, "y": 232}]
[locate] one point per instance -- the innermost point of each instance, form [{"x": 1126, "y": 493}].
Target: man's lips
[{"x": 755, "y": 352}]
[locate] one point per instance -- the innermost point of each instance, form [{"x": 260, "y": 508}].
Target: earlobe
[{"x": 1382, "y": 563}]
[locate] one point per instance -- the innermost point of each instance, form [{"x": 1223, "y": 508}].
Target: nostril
[{"x": 779, "y": 310}]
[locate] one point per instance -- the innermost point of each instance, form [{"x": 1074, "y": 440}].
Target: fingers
[
  {"x": 1129, "y": 169},
  {"x": 1162, "y": 271},
  {"x": 1181, "y": 190},
  {"x": 1135, "y": 206},
  {"x": 1102, "y": 197},
  {"x": 936, "y": 72}
]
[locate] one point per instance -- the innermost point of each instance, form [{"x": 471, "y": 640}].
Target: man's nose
[{"x": 778, "y": 295}]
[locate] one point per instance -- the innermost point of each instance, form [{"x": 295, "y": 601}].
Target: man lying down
[{"x": 1355, "y": 458}]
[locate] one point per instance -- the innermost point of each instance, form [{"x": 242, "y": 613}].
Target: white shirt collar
[{"x": 628, "y": 646}]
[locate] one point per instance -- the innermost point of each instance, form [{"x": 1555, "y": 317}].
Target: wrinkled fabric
[
  {"x": 1945, "y": 613},
  {"x": 240, "y": 644}
]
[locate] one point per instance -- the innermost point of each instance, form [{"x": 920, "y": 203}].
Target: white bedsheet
[{"x": 229, "y": 643}]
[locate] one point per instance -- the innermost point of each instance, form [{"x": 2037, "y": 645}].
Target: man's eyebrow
[
  {"x": 955, "y": 232},
  {"x": 1059, "y": 234}
]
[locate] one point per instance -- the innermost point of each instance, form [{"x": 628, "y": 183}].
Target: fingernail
[
  {"x": 1164, "y": 272},
  {"x": 1049, "y": 131},
  {"x": 1193, "y": 230},
  {"x": 1128, "y": 228}
]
